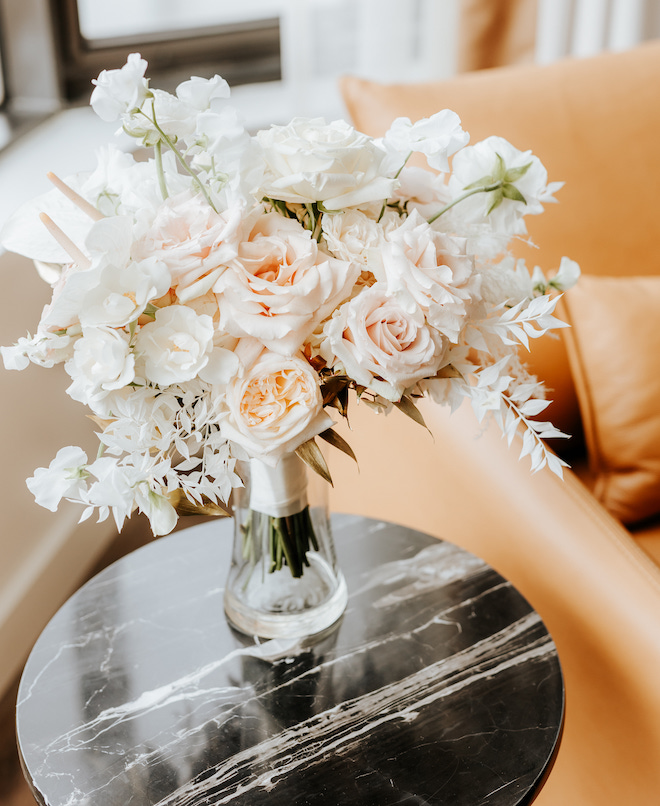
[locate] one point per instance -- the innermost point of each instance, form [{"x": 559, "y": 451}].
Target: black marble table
[{"x": 440, "y": 685}]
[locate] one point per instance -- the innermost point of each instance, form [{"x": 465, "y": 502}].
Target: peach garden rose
[{"x": 274, "y": 407}]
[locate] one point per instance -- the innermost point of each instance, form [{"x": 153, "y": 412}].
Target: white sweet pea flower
[
  {"x": 120, "y": 92},
  {"x": 102, "y": 362},
  {"x": 65, "y": 477},
  {"x": 175, "y": 347},
  {"x": 45, "y": 349},
  {"x": 175, "y": 117},
  {"x": 315, "y": 161},
  {"x": 227, "y": 157},
  {"x": 567, "y": 275},
  {"x": 199, "y": 93},
  {"x": 437, "y": 137},
  {"x": 158, "y": 509},
  {"x": 383, "y": 344},
  {"x": 518, "y": 182},
  {"x": 121, "y": 186},
  {"x": 421, "y": 190},
  {"x": 113, "y": 290},
  {"x": 16, "y": 356},
  {"x": 274, "y": 406}
]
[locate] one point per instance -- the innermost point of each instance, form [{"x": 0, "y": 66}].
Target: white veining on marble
[
  {"x": 431, "y": 568},
  {"x": 185, "y": 688},
  {"x": 190, "y": 712},
  {"x": 189, "y": 687},
  {"x": 339, "y": 728}
]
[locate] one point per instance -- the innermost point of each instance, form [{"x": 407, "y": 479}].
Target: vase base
[{"x": 286, "y": 623}]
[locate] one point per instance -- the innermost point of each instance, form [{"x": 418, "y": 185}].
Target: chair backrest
[{"x": 595, "y": 124}]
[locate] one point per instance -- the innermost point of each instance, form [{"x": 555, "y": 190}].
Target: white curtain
[{"x": 586, "y": 27}]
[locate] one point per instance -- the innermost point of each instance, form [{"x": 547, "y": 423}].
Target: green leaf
[
  {"x": 337, "y": 441},
  {"x": 500, "y": 168},
  {"x": 311, "y": 455},
  {"x": 498, "y": 196},
  {"x": 513, "y": 174},
  {"x": 512, "y": 192},
  {"x": 481, "y": 183},
  {"x": 408, "y": 408}
]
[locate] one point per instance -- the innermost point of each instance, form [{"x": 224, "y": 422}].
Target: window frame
[{"x": 242, "y": 53}]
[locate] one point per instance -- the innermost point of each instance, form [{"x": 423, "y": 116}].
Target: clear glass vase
[{"x": 283, "y": 581}]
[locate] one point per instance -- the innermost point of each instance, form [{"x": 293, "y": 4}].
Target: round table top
[{"x": 440, "y": 685}]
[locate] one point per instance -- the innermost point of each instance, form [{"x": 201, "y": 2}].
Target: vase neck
[{"x": 279, "y": 490}]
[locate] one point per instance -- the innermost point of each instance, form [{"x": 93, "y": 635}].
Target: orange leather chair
[{"x": 596, "y": 582}]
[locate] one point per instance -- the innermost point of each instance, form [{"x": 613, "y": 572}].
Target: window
[{"x": 177, "y": 37}]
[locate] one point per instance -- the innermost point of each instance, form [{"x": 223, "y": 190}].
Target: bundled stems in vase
[{"x": 289, "y": 539}]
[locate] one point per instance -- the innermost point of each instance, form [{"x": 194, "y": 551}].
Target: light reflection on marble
[{"x": 439, "y": 686}]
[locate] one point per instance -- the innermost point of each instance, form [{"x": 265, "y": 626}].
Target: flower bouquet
[{"x": 214, "y": 301}]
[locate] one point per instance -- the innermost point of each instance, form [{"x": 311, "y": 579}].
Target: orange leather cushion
[
  {"x": 614, "y": 350},
  {"x": 594, "y": 123}
]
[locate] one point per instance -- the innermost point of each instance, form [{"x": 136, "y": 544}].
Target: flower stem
[
  {"x": 483, "y": 189},
  {"x": 158, "y": 152},
  {"x": 168, "y": 142},
  {"x": 396, "y": 176}
]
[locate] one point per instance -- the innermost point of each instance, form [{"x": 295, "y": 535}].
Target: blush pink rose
[
  {"x": 381, "y": 344},
  {"x": 433, "y": 268},
  {"x": 281, "y": 285},
  {"x": 193, "y": 241}
]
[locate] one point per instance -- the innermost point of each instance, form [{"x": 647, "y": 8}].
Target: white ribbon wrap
[{"x": 281, "y": 490}]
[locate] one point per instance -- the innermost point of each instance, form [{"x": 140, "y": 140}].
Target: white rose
[
  {"x": 175, "y": 346},
  {"x": 281, "y": 285},
  {"x": 381, "y": 344},
  {"x": 437, "y": 137},
  {"x": 480, "y": 161},
  {"x": 274, "y": 407},
  {"x": 117, "y": 92},
  {"x": 433, "y": 269},
  {"x": 352, "y": 234},
  {"x": 102, "y": 362},
  {"x": 193, "y": 241},
  {"x": 312, "y": 161}
]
